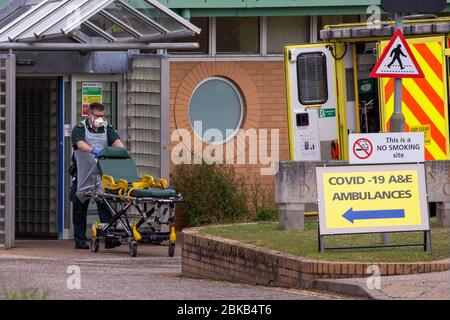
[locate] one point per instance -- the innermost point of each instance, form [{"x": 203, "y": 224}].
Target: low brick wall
[{"x": 211, "y": 257}]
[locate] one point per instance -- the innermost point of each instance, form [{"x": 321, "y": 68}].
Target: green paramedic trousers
[{"x": 79, "y": 218}]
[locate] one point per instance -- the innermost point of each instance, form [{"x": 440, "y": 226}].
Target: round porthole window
[{"x": 216, "y": 110}]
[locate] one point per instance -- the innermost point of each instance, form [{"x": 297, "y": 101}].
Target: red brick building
[{"x": 243, "y": 46}]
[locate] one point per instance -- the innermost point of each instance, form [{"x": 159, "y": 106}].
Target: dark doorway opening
[{"x": 37, "y": 157}]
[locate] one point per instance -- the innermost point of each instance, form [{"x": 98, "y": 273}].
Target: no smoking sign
[
  {"x": 362, "y": 148},
  {"x": 388, "y": 147}
]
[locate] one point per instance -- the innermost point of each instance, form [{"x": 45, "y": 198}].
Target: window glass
[
  {"x": 286, "y": 30},
  {"x": 130, "y": 19},
  {"x": 202, "y": 38},
  {"x": 216, "y": 104},
  {"x": 110, "y": 27},
  {"x": 312, "y": 78},
  {"x": 331, "y": 20},
  {"x": 156, "y": 15},
  {"x": 14, "y": 15},
  {"x": 237, "y": 35}
]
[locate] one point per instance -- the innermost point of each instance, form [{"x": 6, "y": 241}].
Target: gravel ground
[{"x": 112, "y": 274}]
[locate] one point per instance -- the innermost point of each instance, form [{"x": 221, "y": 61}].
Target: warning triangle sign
[{"x": 397, "y": 60}]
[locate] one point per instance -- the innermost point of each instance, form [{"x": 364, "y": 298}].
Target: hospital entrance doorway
[
  {"x": 37, "y": 157},
  {"x": 80, "y": 91}
]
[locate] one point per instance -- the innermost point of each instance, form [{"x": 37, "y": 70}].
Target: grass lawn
[
  {"x": 24, "y": 294},
  {"x": 304, "y": 243}
]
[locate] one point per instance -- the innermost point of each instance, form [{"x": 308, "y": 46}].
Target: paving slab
[{"x": 424, "y": 286}]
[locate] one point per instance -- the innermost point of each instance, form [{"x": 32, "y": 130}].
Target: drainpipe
[{"x": 186, "y": 14}]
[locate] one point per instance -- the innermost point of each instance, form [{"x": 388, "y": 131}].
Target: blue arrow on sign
[{"x": 352, "y": 215}]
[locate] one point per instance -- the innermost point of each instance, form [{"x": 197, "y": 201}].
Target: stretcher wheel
[
  {"x": 171, "y": 249},
  {"x": 95, "y": 245},
  {"x": 133, "y": 248}
]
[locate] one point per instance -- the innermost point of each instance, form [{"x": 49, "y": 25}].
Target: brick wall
[
  {"x": 262, "y": 86},
  {"x": 211, "y": 257}
]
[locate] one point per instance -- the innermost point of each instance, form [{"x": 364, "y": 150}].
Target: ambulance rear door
[{"x": 311, "y": 100}]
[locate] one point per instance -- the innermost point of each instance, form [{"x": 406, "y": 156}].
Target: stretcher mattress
[
  {"x": 147, "y": 193},
  {"x": 117, "y": 163}
]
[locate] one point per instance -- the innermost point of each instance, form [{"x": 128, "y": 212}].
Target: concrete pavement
[
  {"x": 427, "y": 286},
  {"x": 48, "y": 265},
  {"x": 113, "y": 274}
]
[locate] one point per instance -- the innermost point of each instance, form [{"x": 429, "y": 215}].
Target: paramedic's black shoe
[{"x": 82, "y": 245}]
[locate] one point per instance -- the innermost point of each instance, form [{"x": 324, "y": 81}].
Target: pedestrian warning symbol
[{"x": 397, "y": 61}]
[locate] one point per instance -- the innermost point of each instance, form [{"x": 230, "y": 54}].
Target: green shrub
[
  {"x": 267, "y": 214},
  {"x": 260, "y": 197},
  {"x": 212, "y": 194}
]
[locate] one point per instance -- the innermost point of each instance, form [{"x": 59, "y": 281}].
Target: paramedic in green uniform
[{"x": 89, "y": 138}]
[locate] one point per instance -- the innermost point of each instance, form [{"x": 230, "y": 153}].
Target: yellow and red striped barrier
[{"x": 424, "y": 99}]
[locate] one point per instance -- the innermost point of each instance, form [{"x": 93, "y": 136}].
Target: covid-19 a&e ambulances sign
[{"x": 367, "y": 199}]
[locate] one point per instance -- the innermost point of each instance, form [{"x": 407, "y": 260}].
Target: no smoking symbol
[{"x": 362, "y": 148}]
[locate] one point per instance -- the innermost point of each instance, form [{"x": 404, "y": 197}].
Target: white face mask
[{"x": 99, "y": 122}]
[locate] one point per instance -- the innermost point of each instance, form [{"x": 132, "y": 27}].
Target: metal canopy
[
  {"x": 385, "y": 29},
  {"x": 96, "y": 21}
]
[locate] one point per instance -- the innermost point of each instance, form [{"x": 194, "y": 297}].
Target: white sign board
[{"x": 390, "y": 147}]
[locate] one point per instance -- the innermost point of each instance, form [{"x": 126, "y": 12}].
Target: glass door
[{"x": 80, "y": 91}]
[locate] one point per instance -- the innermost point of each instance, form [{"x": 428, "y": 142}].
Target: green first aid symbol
[{"x": 327, "y": 113}]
